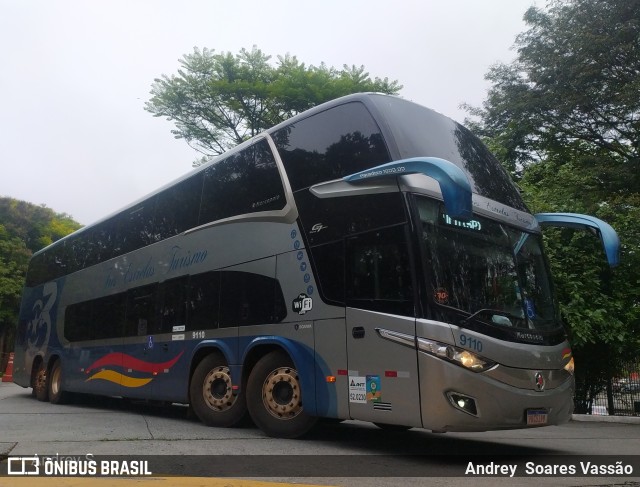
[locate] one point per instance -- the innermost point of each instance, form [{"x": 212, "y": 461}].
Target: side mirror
[{"x": 607, "y": 234}]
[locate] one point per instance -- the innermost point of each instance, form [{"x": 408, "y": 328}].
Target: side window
[
  {"x": 136, "y": 227},
  {"x": 250, "y": 299},
  {"x": 108, "y": 316},
  {"x": 329, "y": 264},
  {"x": 330, "y": 144},
  {"x": 246, "y": 182},
  {"x": 141, "y": 311},
  {"x": 97, "y": 319},
  {"x": 103, "y": 244},
  {"x": 172, "y": 305},
  {"x": 204, "y": 301},
  {"x": 378, "y": 272},
  {"x": 78, "y": 325},
  {"x": 177, "y": 208}
]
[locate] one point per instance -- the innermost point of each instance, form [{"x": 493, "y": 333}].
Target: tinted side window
[
  {"x": 141, "y": 311},
  {"x": 330, "y": 144},
  {"x": 104, "y": 243},
  {"x": 378, "y": 272},
  {"x": 242, "y": 183},
  {"x": 177, "y": 208},
  {"x": 204, "y": 300},
  {"x": 108, "y": 316},
  {"x": 173, "y": 304},
  {"x": 328, "y": 219},
  {"x": 329, "y": 266},
  {"x": 250, "y": 299},
  {"x": 136, "y": 227},
  {"x": 78, "y": 325}
]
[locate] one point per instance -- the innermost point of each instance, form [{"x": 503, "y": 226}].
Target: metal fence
[{"x": 616, "y": 394}]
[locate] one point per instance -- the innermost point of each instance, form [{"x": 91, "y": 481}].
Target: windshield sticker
[
  {"x": 358, "y": 389},
  {"x": 441, "y": 295},
  {"x": 374, "y": 390},
  {"x": 302, "y": 304},
  {"x": 531, "y": 308}
]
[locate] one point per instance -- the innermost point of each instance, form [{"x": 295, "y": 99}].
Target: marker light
[
  {"x": 455, "y": 355},
  {"x": 570, "y": 366}
]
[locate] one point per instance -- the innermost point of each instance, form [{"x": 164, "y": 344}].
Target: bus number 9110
[{"x": 471, "y": 343}]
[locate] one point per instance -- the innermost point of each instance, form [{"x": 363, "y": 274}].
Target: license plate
[{"x": 536, "y": 417}]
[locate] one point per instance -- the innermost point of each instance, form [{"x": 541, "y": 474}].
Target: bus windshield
[{"x": 485, "y": 271}]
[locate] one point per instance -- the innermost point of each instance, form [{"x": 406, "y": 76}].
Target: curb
[{"x": 597, "y": 418}]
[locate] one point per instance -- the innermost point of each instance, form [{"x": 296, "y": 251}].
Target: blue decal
[
  {"x": 310, "y": 290},
  {"x": 294, "y": 234},
  {"x": 303, "y": 267},
  {"x": 300, "y": 255},
  {"x": 307, "y": 278},
  {"x": 296, "y": 244}
]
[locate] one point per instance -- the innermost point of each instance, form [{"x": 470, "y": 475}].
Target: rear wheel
[
  {"x": 40, "y": 383},
  {"x": 274, "y": 397},
  {"x": 56, "y": 394},
  {"x": 212, "y": 396}
]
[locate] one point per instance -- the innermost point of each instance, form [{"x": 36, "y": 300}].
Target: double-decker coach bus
[{"x": 367, "y": 259}]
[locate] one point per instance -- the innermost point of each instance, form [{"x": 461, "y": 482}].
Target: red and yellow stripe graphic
[{"x": 127, "y": 362}]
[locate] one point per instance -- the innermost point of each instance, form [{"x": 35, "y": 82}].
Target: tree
[
  {"x": 564, "y": 118},
  {"x": 220, "y": 100},
  {"x": 24, "y": 229}
]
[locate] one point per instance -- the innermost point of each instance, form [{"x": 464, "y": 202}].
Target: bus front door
[{"x": 383, "y": 375}]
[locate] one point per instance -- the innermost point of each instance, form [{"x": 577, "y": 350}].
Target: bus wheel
[
  {"x": 274, "y": 397},
  {"x": 211, "y": 394},
  {"x": 56, "y": 394},
  {"x": 40, "y": 383}
]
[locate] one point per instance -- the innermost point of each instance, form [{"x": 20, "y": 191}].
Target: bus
[{"x": 367, "y": 259}]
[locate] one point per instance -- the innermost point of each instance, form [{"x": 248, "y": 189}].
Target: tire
[
  {"x": 274, "y": 397},
  {"x": 40, "y": 388},
  {"x": 211, "y": 394},
  {"x": 54, "y": 385}
]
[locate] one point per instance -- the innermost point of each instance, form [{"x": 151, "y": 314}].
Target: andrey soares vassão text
[{"x": 532, "y": 468}]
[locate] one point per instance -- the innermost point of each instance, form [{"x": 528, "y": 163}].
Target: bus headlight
[{"x": 456, "y": 355}]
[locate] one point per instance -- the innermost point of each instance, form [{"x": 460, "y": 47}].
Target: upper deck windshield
[{"x": 486, "y": 275}]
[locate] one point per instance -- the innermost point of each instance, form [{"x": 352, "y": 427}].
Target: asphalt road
[{"x": 349, "y": 453}]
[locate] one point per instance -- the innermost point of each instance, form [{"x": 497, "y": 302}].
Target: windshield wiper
[{"x": 494, "y": 313}]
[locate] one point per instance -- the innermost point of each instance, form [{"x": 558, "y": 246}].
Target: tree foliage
[
  {"x": 24, "y": 229},
  {"x": 564, "y": 118},
  {"x": 218, "y": 100}
]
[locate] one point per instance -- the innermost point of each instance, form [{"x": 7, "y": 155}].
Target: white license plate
[{"x": 536, "y": 417}]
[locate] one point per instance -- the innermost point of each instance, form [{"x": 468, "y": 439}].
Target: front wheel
[
  {"x": 274, "y": 397},
  {"x": 213, "y": 399}
]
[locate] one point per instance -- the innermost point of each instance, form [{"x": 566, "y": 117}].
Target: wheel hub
[
  {"x": 217, "y": 389},
  {"x": 281, "y": 393}
]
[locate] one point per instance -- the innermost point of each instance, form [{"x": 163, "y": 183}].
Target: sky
[{"x": 75, "y": 74}]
